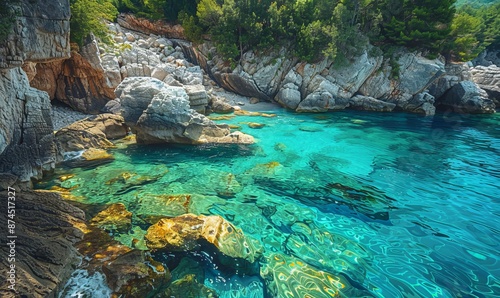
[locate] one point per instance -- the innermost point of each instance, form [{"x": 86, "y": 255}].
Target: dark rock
[
  {"x": 135, "y": 275},
  {"x": 46, "y": 229},
  {"x": 26, "y": 130},
  {"x": 467, "y": 97}
]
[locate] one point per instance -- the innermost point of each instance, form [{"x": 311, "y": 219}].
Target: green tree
[
  {"x": 418, "y": 24},
  {"x": 87, "y": 17},
  {"x": 7, "y": 17}
]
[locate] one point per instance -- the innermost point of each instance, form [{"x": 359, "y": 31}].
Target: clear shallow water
[{"x": 399, "y": 205}]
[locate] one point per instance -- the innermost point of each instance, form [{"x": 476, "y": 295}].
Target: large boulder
[
  {"x": 162, "y": 114},
  {"x": 488, "y": 79},
  {"x": 46, "y": 228},
  {"x": 93, "y": 132},
  {"x": 190, "y": 232},
  {"x": 467, "y": 97}
]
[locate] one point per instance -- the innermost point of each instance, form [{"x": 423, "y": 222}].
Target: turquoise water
[{"x": 399, "y": 205}]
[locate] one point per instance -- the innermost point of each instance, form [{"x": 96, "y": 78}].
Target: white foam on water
[
  {"x": 83, "y": 285},
  {"x": 72, "y": 155}
]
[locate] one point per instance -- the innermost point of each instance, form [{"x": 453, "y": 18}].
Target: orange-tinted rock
[
  {"x": 130, "y": 21},
  {"x": 114, "y": 218},
  {"x": 256, "y": 125},
  {"x": 185, "y": 232},
  {"x": 93, "y": 154},
  {"x": 93, "y": 132},
  {"x": 291, "y": 277}
]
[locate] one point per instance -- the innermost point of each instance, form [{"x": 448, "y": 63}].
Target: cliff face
[{"x": 41, "y": 34}]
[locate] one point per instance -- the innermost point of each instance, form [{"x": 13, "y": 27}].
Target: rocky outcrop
[
  {"x": 467, "y": 97},
  {"x": 41, "y": 33},
  {"x": 488, "y": 79},
  {"x": 26, "y": 131},
  {"x": 144, "y": 25},
  {"x": 161, "y": 114},
  {"x": 81, "y": 82},
  {"x": 46, "y": 229},
  {"x": 325, "y": 85},
  {"x": 93, "y": 132}
]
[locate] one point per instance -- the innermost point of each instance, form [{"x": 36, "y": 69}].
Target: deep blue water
[{"x": 398, "y": 204}]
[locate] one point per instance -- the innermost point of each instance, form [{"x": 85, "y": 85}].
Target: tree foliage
[
  {"x": 338, "y": 29},
  {"x": 7, "y": 17},
  {"x": 87, "y": 17}
]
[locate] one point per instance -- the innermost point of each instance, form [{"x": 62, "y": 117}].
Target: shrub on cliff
[
  {"x": 7, "y": 17},
  {"x": 87, "y": 17}
]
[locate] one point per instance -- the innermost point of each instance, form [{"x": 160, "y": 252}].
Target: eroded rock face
[
  {"x": 325, "y": 85},
  {"x": 26, "y": 130},
  {"x": 46, "y": 229},
  {"x": 467, "y": 97},
  {"x": 190, "y": 232},
  {"x": 162, "y": 114},
  {"x": 488, "y": 79},
  {"x": 41, "y": 34}
]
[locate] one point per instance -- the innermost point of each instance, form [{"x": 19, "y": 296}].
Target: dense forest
[
  {"x": 329, "y": 28},
  {"x": 314, "y": 28}
]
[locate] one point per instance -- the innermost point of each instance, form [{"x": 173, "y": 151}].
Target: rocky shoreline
[{"x": 161, "y": 89}]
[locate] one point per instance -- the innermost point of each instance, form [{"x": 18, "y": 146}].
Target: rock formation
[
  {"x": 41, "y": 34},
  {"x": 143, "y": 25},
  {"x": 488, "y": 79},
  {"x": 467, "y": 97},
  {"x": 325, "y": 85},
  {"x": 82, "y": 82},
  {"x": 161, "y": 114},
  {"x": 93, "y": 132},
  {"x": 46, "y": 229},
  {"x": 190, "y": 232}
]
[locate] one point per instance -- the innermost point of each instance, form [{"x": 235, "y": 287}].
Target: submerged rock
[
  {"x": 190, "y": 232},
  {"x": 152, "y": 207},
  {"x": 187, "y": 286},
  {"x": 291, "y": 277},
  {"x": 114, "y": 218},
  {"x": 135, "y": 275}
]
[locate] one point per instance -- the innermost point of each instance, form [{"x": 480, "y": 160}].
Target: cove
[{"x": 395, "y": 205}]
